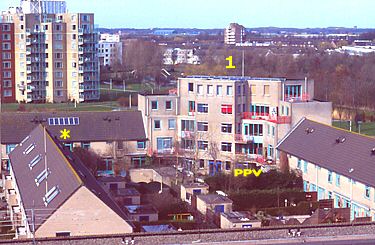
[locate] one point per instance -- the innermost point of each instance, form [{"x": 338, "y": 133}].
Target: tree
[
  {"x": 284, "y": 163},
  {"x": 89, "y": 158}
]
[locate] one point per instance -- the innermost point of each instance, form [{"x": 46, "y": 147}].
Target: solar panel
[{"x": 63, "y": 121}]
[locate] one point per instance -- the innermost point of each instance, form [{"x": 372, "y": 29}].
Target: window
[
  {"x": 62, "y": 233},
  {"x": 203, "y": 145},
  {"x": 58, "y": 65},
  {"x": 141, "y": 145},
  {"x": 7, "y": 93},
  {"x": 226, "y": 146},
  {"x": 229, "y": 90},
  {"x": 120, "y": 145},
  {"x": 299, "y": 164},
  {"x": 273, "y": 131},
  {"x": 253, "y": 129},
  {"x": 227, "y": 165},
  {"x": 202, "y": 108},
  {"x": 42, "y": 176},
  {"x": 191, "y": 106},
  {"x": 219, "y": 90},
  {"x": 6, "y": 56},
  {"x": 304, "y": 166},
  {"x": 7, "y": 74},
  {"x": 202, "y": 126},
  {"x": 210, "y": 89},
  {"x": 239, "y": 90},
  {"x": 59, "y": 84},
  {"x": 58, "y": 55},
  {"x": 330, "y": 195},
  {"x": 50, "y": 195},
  {"x": 367, "y": 191},
  {"x": 168, "y": 105},
  {"x": 85, "y": 145},
  {"x": 191, "y": 87},
  {"x": 6, "y": 46},
  {"x": 187, "y": 144},
  {"x": 157, "y": 124},
  {"x": 200, "y": 89},
  {"x": 226, "y": 128},
  {"x": 10, "y": 148},
  {"x": 171, "y": 123},
  {"x": 226, "y": 109},
  {"x": 253, "y": 89},
  {"x": 154, "y": 105},
  {"x": 266, "y": 90},
  {"x": 337, "y": 180},
  {"x": 164, "y": 143},
  {"x": 7, "y": 65},
  {"x": 187, "y": 125},
  {"x": 201, "y": 163},
  {"x": 58, "y": 74}
]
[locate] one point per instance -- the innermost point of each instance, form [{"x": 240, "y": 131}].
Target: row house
[
  {"x": 217, "y": 121},
  {"x": 335, "y": 163}
]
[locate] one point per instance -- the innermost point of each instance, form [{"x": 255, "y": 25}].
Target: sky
[{"x": 219, "y": 13}]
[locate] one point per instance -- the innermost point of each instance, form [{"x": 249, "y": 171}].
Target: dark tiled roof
[
  {"x": 93, "y": 126},
  {"x": 214, "y": 199},
  {"x": 318, "y": 143},
  {"x": 66, "y": 171}
]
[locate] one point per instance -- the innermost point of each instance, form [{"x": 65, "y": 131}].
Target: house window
[
  {"x": 85, "y": 145},
  {"x": 202, "y": 108},
  {"x": 337, "y": 180},
  {"x": 187, "y": 125},
  {"x": 226, "y": 109},
  {"x": 227, "y": 165},
  {"x": 273, "y": 131},
  {"x": 168, "y": 105},
  {"x": 154, "y": 105},
  {"x": 203, "y": 145},
  {"x": 330, "y": 177},
  {"x": 210, "y": 89},
  {"x": 226, "y": 146},
  {"x": 62, "y": 233},
  {"x": 200, "y": 89},
  {"x": 10, "y": 148},
  {"x": 304, "y": 166},
  {"x": 157, "y": 124},
  {"x": 367, "y": 191},
  {"x": 191, "y": 87},
  {"x": 226, "y": 128},
  {"x": 266, "y": 89},
  {"x": 120, "y": 145},
  {"x": 299, "y": 164},
  {"x": 239, "y": 90},
  {"x": 253, "y": 89},
  {"x": 330, "y": 195},
  {"x": 141, "y": 145},
  {"x": 187, "y": 144},
  {"x": 164, "y": 143},
  {"x": 201, "y": 163},
  {"x": 219, "y": 90},
  {"x": 191, "y": 107},
  {"x": 202, "y": 126},
  {"x": 171, "y": 123},
  {"x": 230, "y": 90}
]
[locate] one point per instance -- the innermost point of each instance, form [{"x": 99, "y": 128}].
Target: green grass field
[{"x": 367, "y": 128}]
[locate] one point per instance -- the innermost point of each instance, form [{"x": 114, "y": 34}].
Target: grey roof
[
  {"x": 158, "y": 228},
  {"x": 141, "y": 209},
  {"x": 239, "y": 217},
  {"x": 352, "y": 157},
  {"x": 93, "y": 126},
  {"x": 67, "y": 173},
  {"x": 214, "y": 199},
  {"x": 195, "y": 185}
]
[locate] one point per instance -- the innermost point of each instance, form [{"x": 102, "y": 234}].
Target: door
[{"x": 219, "y": 209}]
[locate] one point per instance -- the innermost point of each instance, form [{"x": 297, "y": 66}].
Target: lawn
[{"x": 367, "y": 128}]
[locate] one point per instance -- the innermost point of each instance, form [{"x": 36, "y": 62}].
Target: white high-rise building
[{"x": 47, "y": 6}]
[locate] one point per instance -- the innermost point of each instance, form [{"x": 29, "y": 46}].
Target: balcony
[
  {"x": 80, "y": 51},
  {"x": 80, "y": 31},
  {"x": 266, "y": 117},
  {"x": 80, "y": 41},
  {"x": 28, "y": 51},
  {"x": 28, "y": 32},
  {"x": 29, "y": 71},
  {"x": 243, "y": 138},
  {"x": 28, "y": 41}
]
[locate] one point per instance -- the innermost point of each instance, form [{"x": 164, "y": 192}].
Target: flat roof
[
  {"x": 127, "y": 192},
  {"x": 239, "y": 217},
  {"x": 140, "y": 209},
  {"x": 195, "y": 185}
]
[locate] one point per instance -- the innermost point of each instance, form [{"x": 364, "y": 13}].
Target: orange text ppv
[{"x": 246, "y": 172}]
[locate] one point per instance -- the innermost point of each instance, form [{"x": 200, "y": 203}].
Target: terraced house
[
  {"x": 217, "y": 121},
  {"x": 115, "y": 136},
  {"x": 338, "y": 164}
]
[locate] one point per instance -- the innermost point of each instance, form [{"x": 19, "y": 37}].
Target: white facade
[{"x": 109, "y": 49}]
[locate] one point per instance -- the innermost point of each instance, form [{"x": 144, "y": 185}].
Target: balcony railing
[{"x": 243, "y": 138}]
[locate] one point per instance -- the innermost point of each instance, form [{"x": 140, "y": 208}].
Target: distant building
[
  {"x": 335, "y": 163},
  {"x": 71, "y": 204},
  {"x": 47, "y": 6},
  {"x": 232, "y": 220},
  {"x": 188, "y": 190},
  {"x": 234, "y": 34},
  {"x": 110, "y": 49},
  {"x": 180, "y": 56},
  {"x": 163, "y": 32},
  {"x": 7, "y": 62}
]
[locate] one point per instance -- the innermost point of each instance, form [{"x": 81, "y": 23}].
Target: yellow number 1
[{"x": 230, "y": 66}]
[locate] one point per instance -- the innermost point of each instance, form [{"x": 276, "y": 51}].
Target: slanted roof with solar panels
[
  {"x": 83, "y": 126},
  {"x": 47, "y": 175},
  {"x": 346, "y": 153}
]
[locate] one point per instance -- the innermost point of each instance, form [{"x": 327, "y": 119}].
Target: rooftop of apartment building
[
  {"x": 239, "y": 78},
  {"x": 83, "y": 126},
  {"x": 346, "y": 153},
  {"x": 214, "y": 199},
  {"x": 66, "y": 174}
]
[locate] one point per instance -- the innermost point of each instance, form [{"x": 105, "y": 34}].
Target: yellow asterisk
[{"x": 65, "y": 134}]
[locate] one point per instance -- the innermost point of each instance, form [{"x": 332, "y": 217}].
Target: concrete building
[
  {"x": 7, "y": 62},
  {"x": 115, "y": 136},
  {"x": 190, "y": 189},
  {"x": 218, "y": 121},
  {"x": 110, "y": 50},
  {"x": 234, "y": 34},
  {"x": 175, "y": 56},
  {"x": 70, "y": 204},
  {"x": 335, "y": 163},
  {"x": 55, "y": 56},
  {"x": 214, "y": 203},
  {"x": 142, "y": 213},
  {"x": 238, "y": 220}
]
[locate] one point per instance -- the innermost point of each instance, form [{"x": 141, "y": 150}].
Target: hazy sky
[{"x": 218, "y": 13}]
